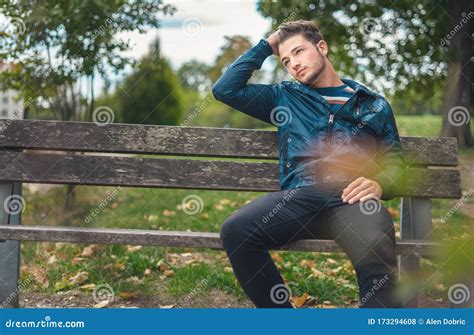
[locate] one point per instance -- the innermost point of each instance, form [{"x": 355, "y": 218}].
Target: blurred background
[{"x": 154, "y": 62}]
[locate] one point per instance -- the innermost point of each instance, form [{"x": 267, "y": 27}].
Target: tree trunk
[
  {"x": 458, "y": 91},
  {"x": 70, "y": 198}
]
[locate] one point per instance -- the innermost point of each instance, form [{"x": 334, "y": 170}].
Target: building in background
[{"x": 11, "y": 106}]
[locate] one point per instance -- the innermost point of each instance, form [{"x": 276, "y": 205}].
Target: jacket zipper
[
  {"x": 331, "y": 120},
  {"x": 285, "y": 153},
  {"x": 330, "y": 123}
]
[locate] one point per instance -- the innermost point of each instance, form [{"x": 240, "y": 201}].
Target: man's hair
[{"x": 301, "y": 27}]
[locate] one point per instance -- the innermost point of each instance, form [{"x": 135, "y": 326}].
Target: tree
[
  {"x": 233, "y": 47},
  {"x": 194, "y": 75},
  {"x": 59, "y": 45},
  {"x": 152, "y": 93},
  {"x": 413, "y": 47}
]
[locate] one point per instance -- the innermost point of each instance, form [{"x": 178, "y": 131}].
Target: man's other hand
[{"x": 361, "y": 189}]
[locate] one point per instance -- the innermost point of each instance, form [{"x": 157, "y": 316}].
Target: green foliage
[
  {"x": 362, "y": 43},
  {"x": 151, "y": 94},
  {"x": 56, "y": 44}
]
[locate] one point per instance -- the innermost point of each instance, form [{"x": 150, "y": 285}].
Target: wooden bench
[{"x": 27, "y": 157}]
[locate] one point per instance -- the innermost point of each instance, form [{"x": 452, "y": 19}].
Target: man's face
[{"x": 303, "y": 60}]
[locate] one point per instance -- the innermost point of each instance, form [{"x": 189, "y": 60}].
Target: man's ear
[{"x": 322, "y": 46}]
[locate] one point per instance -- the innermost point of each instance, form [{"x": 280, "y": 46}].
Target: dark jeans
[{"x": 365, "y": 232}]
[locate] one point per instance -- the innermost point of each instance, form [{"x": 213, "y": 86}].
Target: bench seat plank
[{"x": 175, "y": 239}]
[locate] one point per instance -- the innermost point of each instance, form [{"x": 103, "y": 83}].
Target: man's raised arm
[{"x": 231, "y": 88}]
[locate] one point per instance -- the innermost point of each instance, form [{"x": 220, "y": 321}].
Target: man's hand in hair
[{"x": 273, "y": 41}]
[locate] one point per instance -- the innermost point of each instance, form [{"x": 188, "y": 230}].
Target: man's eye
[{"x": 297, "y": 51}]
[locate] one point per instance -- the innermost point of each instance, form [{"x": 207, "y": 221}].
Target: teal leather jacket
[{"x": 315, "y": 145}]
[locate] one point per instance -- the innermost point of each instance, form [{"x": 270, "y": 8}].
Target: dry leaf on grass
[
  {"x": 299, "y": 301},
  {"x": 102, "y": 304}
]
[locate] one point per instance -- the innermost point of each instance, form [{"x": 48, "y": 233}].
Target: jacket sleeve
[
  {"x": 391, "y": 159},
  {"x": 231, "y": 88}
]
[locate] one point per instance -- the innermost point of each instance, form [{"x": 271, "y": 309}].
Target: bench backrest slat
[
  {"x": 70, "y": 168},
  {"x": 190, "y": 141}
]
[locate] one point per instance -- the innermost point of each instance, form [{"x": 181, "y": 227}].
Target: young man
[{"x": 339, "y": 154}]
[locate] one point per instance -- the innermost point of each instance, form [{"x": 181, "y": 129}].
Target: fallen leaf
[
  {"x": 133, "y": 248},
  {"x": 101, "y": 304},
  {"x": 40, "y": 275},
  {"x": 331, "y": 261},
  {"x": 79, "y": 278},
  {"x": 87, "y": 287},
  {"x": 52, "y": 259},
  {"x": 167, "y": 212},
  {"x": 129, "y": 294},
  {"x": 89, "y": 250},
  {"x": 224, "y": 201},
  {"x": 299, "y": 301},
  {"x": 393, "y": 212},
  {"x": 219, "y": 207},
  {"x": 276, "y": 257},
  {"x": 307, "y": 263},
  {"x": 166, "y": 306}
]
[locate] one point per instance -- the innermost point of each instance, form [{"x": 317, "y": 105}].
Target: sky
[{"x": 197, "y": 29}]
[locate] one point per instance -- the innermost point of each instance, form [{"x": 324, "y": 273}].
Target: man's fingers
[
  {"x": 357, "y": 190},
  {"x": 352, "y": 185},
  {"x": 369, "y": 196},
  {"x": 359, "y": 195}
]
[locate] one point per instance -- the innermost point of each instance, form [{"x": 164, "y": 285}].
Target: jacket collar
[{"x": 357, "y": 87}]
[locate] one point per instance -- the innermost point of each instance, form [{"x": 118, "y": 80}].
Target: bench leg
[
  {"x": 10, "y": 250},
  {"x": 415, "y": 223}
]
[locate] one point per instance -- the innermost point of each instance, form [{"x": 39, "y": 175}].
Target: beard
[{"x": 318, "y": 69}]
